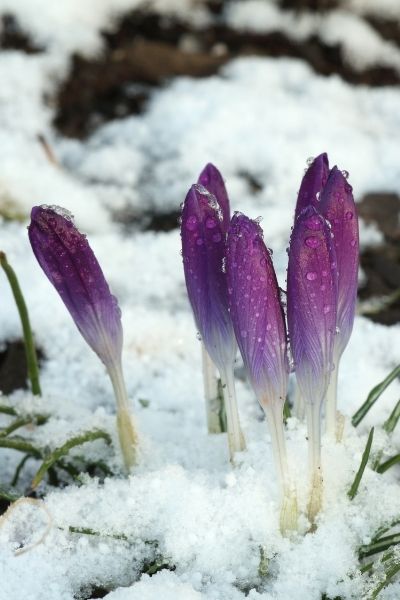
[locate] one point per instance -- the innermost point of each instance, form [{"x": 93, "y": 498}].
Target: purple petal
[
  {"x": 337, "y": 205},
  {"x": 256, "y": 310},
  {"x": 212, "y": 180},
  {"x": 312, "y": 184},
  {"x": 203, "y": 250},
  {"x": 311, "y": 303},
  {"x": 69, "y": 263}
]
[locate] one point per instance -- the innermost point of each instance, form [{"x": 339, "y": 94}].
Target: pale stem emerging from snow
[
  {"x": 313, "y": 414},
  {"x": 125, "y": 425},
  {"x": 289, "y": 512},
  {"x": 212, "y": 398},
  {"x": 236, "y": 440},
  {"x": 331, "y": 420},
  {"x": 299, "y": 407}
]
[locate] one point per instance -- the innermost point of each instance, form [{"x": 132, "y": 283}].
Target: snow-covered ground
[{"x": 184, "y": 502}]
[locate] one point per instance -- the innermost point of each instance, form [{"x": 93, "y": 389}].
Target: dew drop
[
  {"x": 324, "y": 273},
  {"x": 323, "y": 287},
  {"x": 199, "y": 241},
  {"x": 310, "y": 161},
  {"x": 314, "y": 223},
  {"x": 191, "y": 223},
  {"x": 349, "y": 215},
  {"x": 345, "y": 174},
  {"x": 198, "y": 336},
  {"x": 311, "y": 276},
  {"x": 210, "y": 223},
  {"x": 216, "y": 237},
  {"x": 327, "y": 309},
  {"x": 244, "y": 333},
  {"x": 259, "y": 339},
  {"x": 312, "y": 242},
  {"x": 269, "y": 327},
  {"x": 353, "y": 243},
  {"x": 248, "y": 277}
]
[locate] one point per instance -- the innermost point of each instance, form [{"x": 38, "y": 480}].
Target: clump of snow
[{"x": 184, "y": 505}]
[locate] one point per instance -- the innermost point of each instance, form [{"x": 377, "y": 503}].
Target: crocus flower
[
  {"x": 203, "y": 250},
  {"x": 312, "y": 184},
  {"x": 337, "y": 205},
  {"x": 71, "y": 266},
  {"x": 211, "y": 179},
  {"x": 311, "y": 312},
  {"x": 259, "y": 325}
]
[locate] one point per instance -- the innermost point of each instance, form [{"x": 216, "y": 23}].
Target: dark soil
[
  {"x": 145, "y": 51},
  {"x": 382, "y": 264},
  {"x": 13, "y": 367},
  {"x": 12, "y": 37}
]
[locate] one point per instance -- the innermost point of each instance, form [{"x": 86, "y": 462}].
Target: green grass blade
[
  {"x": 388, "y": 463},
  {"x": 391, "y": 570},
  {"x": 30, "y": 350},
  {"x": 354, "y": 488},
  {"x": 391, "y": 423},
  {"x": 373, "y": 396},
  {"x": 88, "y": 436},
  {"x": 379, "y": 546}
]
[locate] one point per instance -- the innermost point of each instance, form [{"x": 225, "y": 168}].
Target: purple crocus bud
[
  {"x": 203, "y": 252},
  {"x": 212, "y": 180},
  {"x": 259, "y": 324},
  {"x": 311, "y": 312},
  {"x": 256, "y": 310},
  {"x": 312, "y": 184},
  {"x": 311, "y": 303},
  {"x": 337, "y": 205},
  {"x": 71, "y": 266}
]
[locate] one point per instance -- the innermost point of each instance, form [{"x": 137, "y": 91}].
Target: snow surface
[{"x": 259, "y": 119}]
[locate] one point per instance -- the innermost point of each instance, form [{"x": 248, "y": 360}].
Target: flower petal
[
  {"x": 212, "y": 180},
  {"x": 203, "y": 251},
  {"x": 311, "y": 303},
  {"x": 256, "y": 309},
  {"x": 337, "y": 205},
  {"x": 71, "y": 266},
  {"x": 312, "y": 184}
]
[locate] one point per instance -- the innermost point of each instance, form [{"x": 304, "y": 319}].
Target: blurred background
[{"x": 111, "y": 108}]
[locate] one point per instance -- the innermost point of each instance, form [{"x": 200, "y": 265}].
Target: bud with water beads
[
  {"x": 311, "y": 311},
  {"x": 337, "y": 205},
  {"x": 259, "y": 324},
  {"x": 203, "y": 251},
  {"x": 71, "y": 266}
]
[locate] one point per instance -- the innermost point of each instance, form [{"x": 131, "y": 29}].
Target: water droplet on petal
[
  {"x": 310, "y": 161},
  {"x": 314, "y": 223},
  {"x": 210, "y": 223},
  {"x": 312, "y": 242},
  {"x": 353, "y": 243},
  {"x": 198, "y": 336},
  {"x": 324, "y": 273},
  {"x": 216, "y": 237},
  {"x": 199, "y": 241},
  {"x": 244, "y": 333},
  {"x": 191, "y": 223},
  {"x": 345, "y": 174},
  {"x": 311, "y": 276},
  {"x": 269, "y": 327},
  {"x": 349, "y": 215},
  {"x": 327, "y": 309}
]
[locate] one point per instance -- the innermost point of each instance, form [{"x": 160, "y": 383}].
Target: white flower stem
[
  {"x": 313, "y": 414},
  {"x": 125, "y": 425},
  {"x": 289, "y": 512},
  {"x": 236, "y": 440},
  {"x": 213, "y": 401},
  {"x": 299, "y": 406},
  {"x": 331, "y": 403}
]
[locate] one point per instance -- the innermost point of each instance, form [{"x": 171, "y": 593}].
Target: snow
[{"x": 183, "y": 504}]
